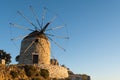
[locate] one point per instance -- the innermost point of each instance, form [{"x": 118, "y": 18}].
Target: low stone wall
[{"x": 55, "y": 71}]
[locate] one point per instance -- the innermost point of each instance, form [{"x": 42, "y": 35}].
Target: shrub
[
  {"x": 36, "y": 79},
  {"x": 44, "y": 73},
  {"x": 14, "y": 74},
  {"x": 54, "y": 78},
  {"x": 30, "y": 70}
]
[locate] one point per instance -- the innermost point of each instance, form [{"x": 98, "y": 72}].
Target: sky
[{"x": 93, "y": 27}]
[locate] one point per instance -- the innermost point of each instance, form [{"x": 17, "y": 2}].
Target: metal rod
[
  {"x": 27, "y": 19},
  {"x": 57, "y": 44},
  {"x": 36, "y": 17},
  {"x": 58, "y": 36},
  {"x": 21, "y": 27}
]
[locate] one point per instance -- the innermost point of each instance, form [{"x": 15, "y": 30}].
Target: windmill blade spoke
[
  {"x": 20, "y": 37},
  {"x": 57, "y": 44},
  {"x": 19, "y": 26},
  {"x": 52, "y": 55},
  {"x": 45, "y": 27},
  {"x": 43, "y": 16},
  {"x": 54, "y": 28},
  {"x": 27, "y": 19},
  {"x": 58, "y": 36},
  {"x": 33, "y": 11},
  {"x": 28, "y": 47},
  {"x": 53, "y": 19},
  {"x": 41, "y": 46},
  {"x": 44, "y": 12}
]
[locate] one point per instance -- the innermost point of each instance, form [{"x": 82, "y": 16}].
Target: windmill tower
[{"x": 35, "y": 47}]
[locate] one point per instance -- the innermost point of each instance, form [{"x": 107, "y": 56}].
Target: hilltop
[{"x": 33, "y": 72}]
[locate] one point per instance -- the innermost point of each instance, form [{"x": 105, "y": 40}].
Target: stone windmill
[{"x": 35, "y": 47}]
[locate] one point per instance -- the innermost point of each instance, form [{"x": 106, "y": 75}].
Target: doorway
[{"x": 35, "y": 59}]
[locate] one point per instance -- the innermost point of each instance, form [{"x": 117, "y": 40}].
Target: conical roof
[{"x": 36, "y": 34}]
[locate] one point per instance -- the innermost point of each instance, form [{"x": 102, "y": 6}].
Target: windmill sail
[{"x": 36, "y": 44}]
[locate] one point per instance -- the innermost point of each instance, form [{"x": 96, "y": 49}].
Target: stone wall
[{"x": 55, "y": 71}]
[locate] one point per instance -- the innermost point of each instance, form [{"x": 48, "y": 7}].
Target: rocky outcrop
[
  {"x": 79, "y": 77},
  {"x": 54, "y": 62}
]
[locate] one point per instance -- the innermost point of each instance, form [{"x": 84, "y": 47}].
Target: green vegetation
[
  {"x": 44, "y": 73},
  {"x": 14, "y": 74},
  {"x": 36, "y": 79},
  {"x": 30, "y": 70},
  {"x": 6, "y": 56},
  {"x": 17, "y": 58},
  {"x": 36, "y": 74}
]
